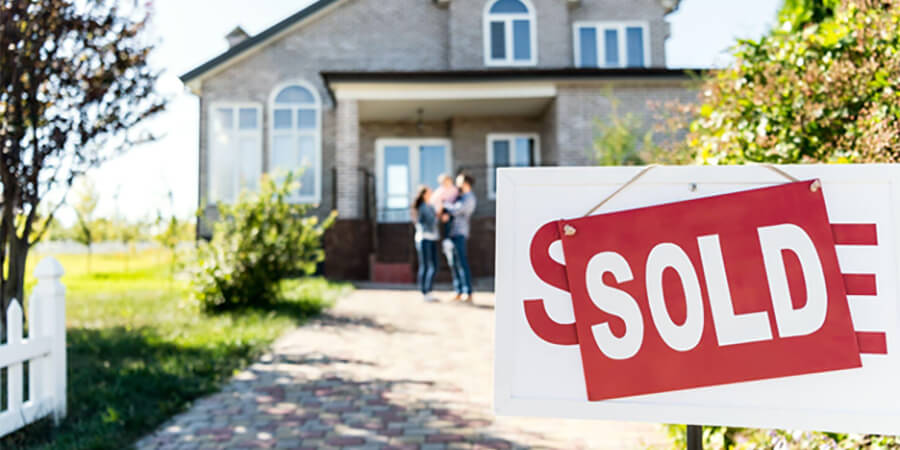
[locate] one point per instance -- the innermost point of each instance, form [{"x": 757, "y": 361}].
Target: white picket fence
[{"x": 44, "y": 349}]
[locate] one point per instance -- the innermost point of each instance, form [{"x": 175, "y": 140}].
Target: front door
[{"x": 402, "y": 165}]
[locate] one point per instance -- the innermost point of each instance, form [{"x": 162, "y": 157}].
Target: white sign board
[{"x": 534, "y": 377}]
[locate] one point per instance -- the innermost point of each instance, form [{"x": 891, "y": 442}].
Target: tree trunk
[{"x": 14, "y": 286}]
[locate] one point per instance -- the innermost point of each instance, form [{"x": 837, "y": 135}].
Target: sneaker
[
  {"x": 468, "y": 298},
  {"x": 429, "y": 298},
  {"x": 458, "y": 297}
]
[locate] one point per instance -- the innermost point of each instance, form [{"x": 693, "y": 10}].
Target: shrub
[
  {"x": 257, "y": 242},
  {"x": 829, "y": 92}
]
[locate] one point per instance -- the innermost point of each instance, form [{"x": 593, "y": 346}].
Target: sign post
[
  {"x": 717, "y": 295},
  {"x": 694, "y": 437}
]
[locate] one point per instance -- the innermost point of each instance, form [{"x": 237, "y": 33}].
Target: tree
[
  {"x": 86, "y": 199},
  {"x": 625, "y": 139},
  {"x": 128, "y": 233},
  {"x": 74, "y": 84},
  {"x": 618, "y": 137},
  {"x": 827, "y": 92},
  {"x": 171, "y": 232},
  {"x": 797, "y": 14}
]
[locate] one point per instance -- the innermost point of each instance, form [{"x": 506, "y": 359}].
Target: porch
[{"x": 392, "y": 137}]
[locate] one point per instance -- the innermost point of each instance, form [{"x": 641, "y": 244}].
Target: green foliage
[
  {"x": 796, "y": 14},
  {"x": 84, "y": 205},
  {"x": 617, "y": 138},
  {"x": 829, "y": 92},
  {"x": 624, "y": 139},
  {"x": 749, "y": 439},
  {"x": 139, "y": 352},
  {"x": 259, "y": 241},
  {"x": 713, "y": 437}
]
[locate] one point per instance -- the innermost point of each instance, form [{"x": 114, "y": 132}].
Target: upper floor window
[
  {"x": 509, "y": 33},
  {"x": 611, "y": 44},
  {"x": 235, "y": 150},
  {"x": 296, "y": 138}
]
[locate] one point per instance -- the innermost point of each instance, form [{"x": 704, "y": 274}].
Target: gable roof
[{"x": 253, "y": 41}]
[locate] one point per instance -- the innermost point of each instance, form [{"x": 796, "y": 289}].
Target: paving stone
[{"x": 382, "y": 369}]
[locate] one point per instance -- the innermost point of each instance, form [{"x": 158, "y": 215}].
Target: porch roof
[{"x": 477, "y": 93}]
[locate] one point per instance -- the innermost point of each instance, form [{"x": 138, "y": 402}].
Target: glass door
[{"x": 402, "y": 166}]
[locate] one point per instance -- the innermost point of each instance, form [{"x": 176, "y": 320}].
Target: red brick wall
[
  {"x": 347, "y": 247},
  {"x": 349, "y": 243}
]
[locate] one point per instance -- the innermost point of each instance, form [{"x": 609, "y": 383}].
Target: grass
[{"x": 139, "y": 351}]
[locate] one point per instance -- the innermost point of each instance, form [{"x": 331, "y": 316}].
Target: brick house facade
[{"x": 373, "y": 97}]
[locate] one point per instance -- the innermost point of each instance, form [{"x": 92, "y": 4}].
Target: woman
[{"x": 426, "y": 219}]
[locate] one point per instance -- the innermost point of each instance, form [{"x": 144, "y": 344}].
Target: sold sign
[{"x": 705, "y": 292}]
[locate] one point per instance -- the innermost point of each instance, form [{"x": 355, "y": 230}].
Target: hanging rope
[{"x": 813, "y": 187}]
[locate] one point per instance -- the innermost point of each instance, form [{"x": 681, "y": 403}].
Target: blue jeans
[
  {"x": 459, "y": 265},
  {"x": 428, "y": 262}
]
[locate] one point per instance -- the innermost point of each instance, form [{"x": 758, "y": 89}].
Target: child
[{"x": 446, "y": 192}]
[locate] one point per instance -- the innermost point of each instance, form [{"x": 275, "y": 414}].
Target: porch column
[{"x": 349, "y": 183}]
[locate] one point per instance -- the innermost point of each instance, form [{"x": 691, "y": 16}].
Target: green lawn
[{"x": 139, "y": 351}]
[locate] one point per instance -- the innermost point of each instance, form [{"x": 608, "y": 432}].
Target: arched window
[
  {"x": 295, "y": 131},
  {"x": 509, "y": 33}
]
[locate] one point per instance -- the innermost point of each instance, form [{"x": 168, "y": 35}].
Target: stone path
[{"x": 381, "y": 370}]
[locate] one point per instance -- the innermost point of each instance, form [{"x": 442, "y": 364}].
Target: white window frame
[
  {"x": 238, "y": 134},
  {"x": 412, "y": 143},
  {"x": 620, "y": 26},
  {"x": 316, "y": 198},
  {"x": 489, "y": 150},
  {"x": 507, "y": 19}
]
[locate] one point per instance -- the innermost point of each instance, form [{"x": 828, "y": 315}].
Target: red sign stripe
[
  {"x": 872, "y": 342},
  {"x": 860, "y": 284},
  {"x": 854, "y": 234}
]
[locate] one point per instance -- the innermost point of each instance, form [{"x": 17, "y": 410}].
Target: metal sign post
[{"x": 695, "y": 437}]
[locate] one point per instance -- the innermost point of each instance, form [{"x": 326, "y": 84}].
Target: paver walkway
[{"x": 381, "y": 370}]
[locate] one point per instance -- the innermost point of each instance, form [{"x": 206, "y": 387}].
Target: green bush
[
  {"x": 257, "y": 242},
  {"x": 826, "y": 92}
]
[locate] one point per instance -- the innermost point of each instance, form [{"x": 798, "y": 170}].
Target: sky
[{"x": 189, "y": 32}]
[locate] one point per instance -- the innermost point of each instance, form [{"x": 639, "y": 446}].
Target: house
[{"x": 375, "y": 97}]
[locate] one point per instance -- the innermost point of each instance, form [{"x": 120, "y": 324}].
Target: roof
[{"x": 257, "y": 39}]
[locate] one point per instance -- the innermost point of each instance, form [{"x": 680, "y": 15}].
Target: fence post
[
  {"x": 51, "y": 293},
  {"x": 14, "y": 371}
]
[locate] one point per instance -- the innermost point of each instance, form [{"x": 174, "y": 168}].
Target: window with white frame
[
  {"x": 402, "y": 164},
  {"x": 510, "y": 150},
  {"x": 295, "y": 132},
  {"x": 235, "y": 150},
  {"x": 509, "y": 33},
  {"x": 612, "y": 44}
]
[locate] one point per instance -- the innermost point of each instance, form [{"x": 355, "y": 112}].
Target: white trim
[
  {"x": 442, "y": 91},
  {"x": 316, "y": 198},
  {"x": 507, "y": 19},
  {"x": 414, "y": 175},
  {"x": 489, "y": 151},
  {"x": 620, "y": 27},
  {"x": 210, "y": 142}
]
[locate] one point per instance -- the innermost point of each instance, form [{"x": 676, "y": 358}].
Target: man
[{"x": 455, "y": 246}]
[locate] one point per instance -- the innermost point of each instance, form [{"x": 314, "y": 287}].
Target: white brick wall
[{"x": 349, "y": 187}]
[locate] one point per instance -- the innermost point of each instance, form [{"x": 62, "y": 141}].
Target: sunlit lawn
[{"x": 139, "y": 350}]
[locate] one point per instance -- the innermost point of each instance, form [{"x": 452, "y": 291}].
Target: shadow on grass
[{"x": 124, "y": 382}]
